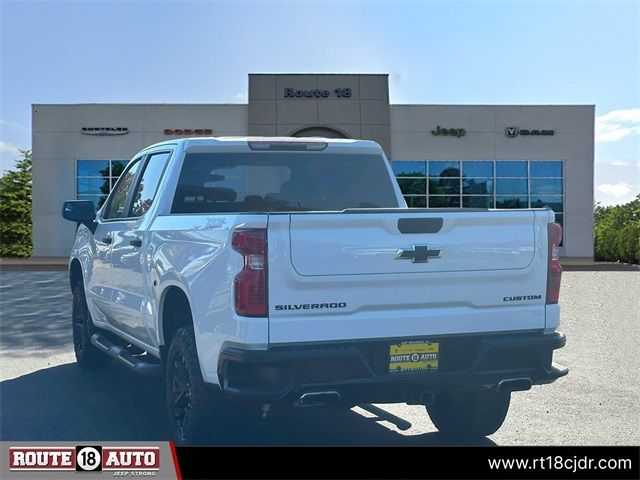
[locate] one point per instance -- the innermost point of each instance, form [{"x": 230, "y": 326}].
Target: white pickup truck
[{"x": 281, "y": 271}]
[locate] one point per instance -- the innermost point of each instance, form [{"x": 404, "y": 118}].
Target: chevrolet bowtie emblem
[{"x": 419, "y": 254}]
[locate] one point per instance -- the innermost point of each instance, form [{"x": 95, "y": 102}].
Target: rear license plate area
[{"x": 411, "y": 356}]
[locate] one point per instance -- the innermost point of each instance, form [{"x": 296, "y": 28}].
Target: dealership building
[{"x": 444, "y": 156}]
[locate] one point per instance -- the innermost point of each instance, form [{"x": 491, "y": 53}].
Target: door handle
[
  {"x": 107, "y": 240},
  {"x": 136, "y": 242}
]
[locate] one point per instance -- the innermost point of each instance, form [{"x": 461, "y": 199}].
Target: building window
[
  {"x": 412, "y": 177},
  {"x": 96, "y": 178},
  {"x": 482, "y": 184}
]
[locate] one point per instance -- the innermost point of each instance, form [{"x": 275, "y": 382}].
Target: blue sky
[{"x": 435, "y": 52}]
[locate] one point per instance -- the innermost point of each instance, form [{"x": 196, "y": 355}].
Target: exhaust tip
[
  {"x": 515, "y": 385},
  {"x": 319, "y": 399}
]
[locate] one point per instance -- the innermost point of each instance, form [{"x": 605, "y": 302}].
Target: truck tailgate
[
  {"x": 337, "y": 276},
  {"x": 358, "y": 244}
]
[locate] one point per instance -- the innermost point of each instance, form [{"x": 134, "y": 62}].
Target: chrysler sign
[{"x": 104, "y": 130}]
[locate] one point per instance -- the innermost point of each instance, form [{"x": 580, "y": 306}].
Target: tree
[
  {"x": 617, "y": 232},
  {"x": 15, "y": 209}
]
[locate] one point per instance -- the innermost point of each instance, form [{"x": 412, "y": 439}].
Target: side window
[
  {"x": 117, "y": 206},
  {"x": 146, "y": 189}
]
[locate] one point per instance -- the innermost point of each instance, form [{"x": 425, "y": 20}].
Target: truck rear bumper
[{"x": 359, "y": 372}]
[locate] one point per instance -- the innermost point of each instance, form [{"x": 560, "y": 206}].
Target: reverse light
[
  {"x": 250, "y": 285},
  {"x": 554, "y": 269}
]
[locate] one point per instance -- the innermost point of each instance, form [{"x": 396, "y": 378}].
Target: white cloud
[
  {"x": 8, "y": 155},
  {"x": 617, "y": 190},
  {"x": 620, "y": 163},
  {"x": 242, "y": 97},
  {"x": 618, "y": 124},
  {"x": 14, "y": 126},
  {"x": 8, "y": 148}
]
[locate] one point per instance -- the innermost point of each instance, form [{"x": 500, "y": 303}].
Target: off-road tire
[
  {"x": 470, "y": 414},
  {"x": 87, "y": 354},
  {"x": 198, "y": 412}
]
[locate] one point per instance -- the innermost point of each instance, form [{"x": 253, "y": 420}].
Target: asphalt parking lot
[{"x": 45, "y": 396}]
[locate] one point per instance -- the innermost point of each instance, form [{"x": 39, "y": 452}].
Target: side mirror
[{"x": 80, "y": 211}]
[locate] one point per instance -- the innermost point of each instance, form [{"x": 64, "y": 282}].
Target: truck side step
[{"x": 135, "y": 362}]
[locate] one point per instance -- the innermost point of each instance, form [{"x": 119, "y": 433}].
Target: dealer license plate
[{"x": 414, "y": 355}]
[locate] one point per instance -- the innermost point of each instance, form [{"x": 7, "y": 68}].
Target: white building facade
[{"x": 451, "y": 156}]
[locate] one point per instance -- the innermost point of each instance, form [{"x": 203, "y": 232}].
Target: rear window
[{"x": 281, "y": 182}]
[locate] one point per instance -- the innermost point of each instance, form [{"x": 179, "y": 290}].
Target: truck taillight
[
  {"x": 250, "y": 285},
  {"x": 554, "y": 269}
]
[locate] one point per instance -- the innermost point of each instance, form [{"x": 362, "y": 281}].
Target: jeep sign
[{"x": 451, "y": 132}]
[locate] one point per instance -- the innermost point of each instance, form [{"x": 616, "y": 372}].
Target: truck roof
[{"x": 363, "y": 146}]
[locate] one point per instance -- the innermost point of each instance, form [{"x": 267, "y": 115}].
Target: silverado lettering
[{"x": 311, "y": 306}]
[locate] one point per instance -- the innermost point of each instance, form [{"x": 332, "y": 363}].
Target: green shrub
[{"x": 617, "y": 232}]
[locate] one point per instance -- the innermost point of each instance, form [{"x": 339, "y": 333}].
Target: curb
[
  {"x": 33, "y": 268},
  {"x": 602, "y": 267},
  {"x": 34, "y": 264}
]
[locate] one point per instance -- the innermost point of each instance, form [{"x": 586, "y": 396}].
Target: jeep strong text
[{"x": 288, "y": 272}]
